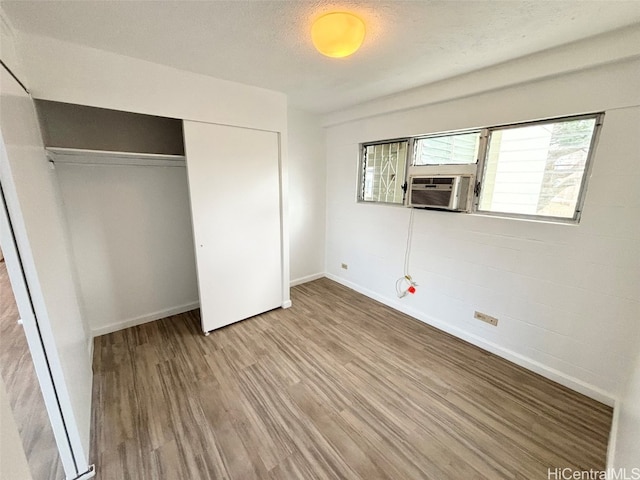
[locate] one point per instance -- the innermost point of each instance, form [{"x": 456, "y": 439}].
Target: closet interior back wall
[
  {"x": 129, "y": 222},
  {"x": 82, "y": 127}
]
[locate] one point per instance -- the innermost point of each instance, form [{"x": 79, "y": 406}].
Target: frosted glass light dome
[{"x": 338, "y": 34}]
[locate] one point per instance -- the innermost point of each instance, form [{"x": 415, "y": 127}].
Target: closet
[{"x": 166, "y": 215}]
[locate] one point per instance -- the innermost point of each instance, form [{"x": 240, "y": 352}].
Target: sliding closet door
[
  {"x": 234, "y": 185},
  {"x": 38, "y": 262}
]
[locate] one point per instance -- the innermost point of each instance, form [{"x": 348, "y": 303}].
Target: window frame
[
  {"x": 415, "y": 140},
  {"x": 361, "y": 172},
  {"x": 478, "y": 169},
  {"x": 577, "y": 213}
]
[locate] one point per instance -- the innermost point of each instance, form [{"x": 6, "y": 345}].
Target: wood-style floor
[
  {"x": 336, "y": 387},
  {"x": 23, "y": 390}
]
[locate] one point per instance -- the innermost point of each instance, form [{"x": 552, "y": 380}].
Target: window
[
  {"x": 383, "y": 172},
  {"x": 529, "y": 170},
  {"x": 457, "y": 149},
  {"x": 537, "y": 169}
]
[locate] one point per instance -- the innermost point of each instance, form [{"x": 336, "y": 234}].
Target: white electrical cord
[
  {"x": 407, "y": 252},
  {"x": 405, "y": 284}
]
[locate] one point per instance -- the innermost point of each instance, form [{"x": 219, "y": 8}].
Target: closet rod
[{"x": 77, "y": 156}]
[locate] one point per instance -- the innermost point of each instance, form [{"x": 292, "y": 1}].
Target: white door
[
  {"x": 38, "y": 263},
  {"x": 234, "y": 184}
]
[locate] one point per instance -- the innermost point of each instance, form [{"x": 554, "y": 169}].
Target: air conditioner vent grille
[
  {"x": 433, "y": 180},
  {"x": 434, "y": 198},
  {"x": 448, "y": 192}
]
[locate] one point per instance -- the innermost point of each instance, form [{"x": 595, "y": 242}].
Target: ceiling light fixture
[{"x": 338, "y": 34}]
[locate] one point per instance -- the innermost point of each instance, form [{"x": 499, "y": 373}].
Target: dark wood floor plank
[
  {"x": 336, "y": 387},
  {"x": 252, "y": 426},
  {"x": 23, "y": 390}
]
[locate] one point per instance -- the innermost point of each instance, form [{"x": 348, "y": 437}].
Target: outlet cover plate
[{"x": 486, "y": 318}]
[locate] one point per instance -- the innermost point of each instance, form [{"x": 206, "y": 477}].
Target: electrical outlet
[
  {"x": 345, "y": 266},
  {"x": 486, "y": 318}
]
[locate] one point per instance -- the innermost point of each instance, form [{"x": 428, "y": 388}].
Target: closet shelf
[{"x": 79, "y": 156}]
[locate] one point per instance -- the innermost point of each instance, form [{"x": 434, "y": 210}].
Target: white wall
[
  {"x": 624, "y": 447},
  {"x": 565, "y": 295},
  {"x": 65, "y": 72},
  {"x": 8, "y": 51},
  {"x": 307, "y": 187},
  {"x": 132, "y": 242},
  {"x": 13, "y": 462}
]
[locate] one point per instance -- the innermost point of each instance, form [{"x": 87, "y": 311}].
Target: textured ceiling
[{"x": 266, "y": 43}]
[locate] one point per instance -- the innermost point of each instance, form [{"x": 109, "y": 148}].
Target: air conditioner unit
[{"x": 442, "y": 192}]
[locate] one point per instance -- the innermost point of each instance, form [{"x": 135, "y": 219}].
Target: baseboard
[
  {"x": 568, "y": 381},
  {"x": 613, "y": 436},
  {"x": 305, "y": 279},
  {"x": 132, "y": 322}
]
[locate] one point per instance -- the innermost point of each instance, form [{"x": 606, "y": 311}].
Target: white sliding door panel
[
  {"x": 40, "y": 271},
  {"x": 234, "y": 184}
]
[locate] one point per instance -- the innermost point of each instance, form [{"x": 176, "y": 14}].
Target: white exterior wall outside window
[
  {"x": 460, "y": 149},
  {"x": 538, "y": 169}
]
